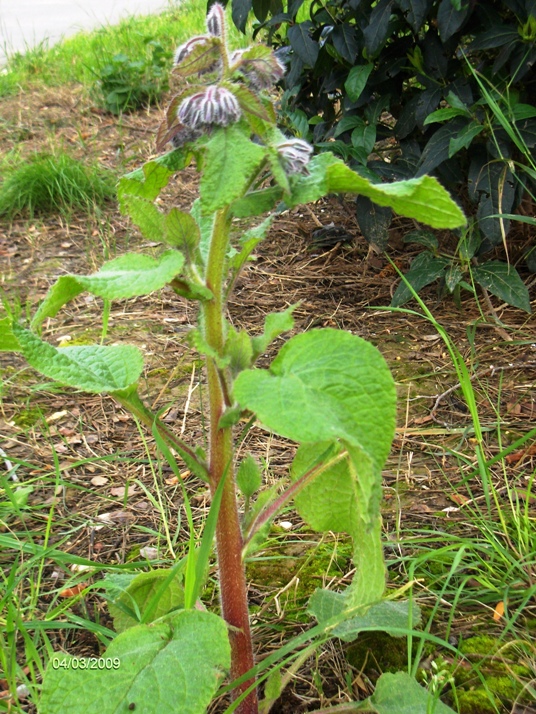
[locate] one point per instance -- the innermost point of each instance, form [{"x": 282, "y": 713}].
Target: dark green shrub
[
  {"x": 53, "y": 184},
  {"x": 401, "y": 88},
  {"x": 125, "y": 84}
]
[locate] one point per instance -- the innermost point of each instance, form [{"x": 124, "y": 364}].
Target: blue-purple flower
[
  {"x": 214, "y": 106},
  {"x": 295, "y": 155}
]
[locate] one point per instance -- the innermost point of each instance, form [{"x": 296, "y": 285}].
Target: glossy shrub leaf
[
  {"x": 376, "y": 32},
  {"x": 128, "y": 276},
  {"x": 231, "y": 160},
  {"x": 464, "y": 137},
  {"x": 176, "y": 666},
  {"x": 344, "y": 41},
  {"x": 385, "y": 616},
  {"x": 453, "y": 276},
  {"x": 425, "y": 238},
  {"x": 93, "y": 368},
  {"x": 450, "y": 18},
  {"x": 323, "y": 385},
  {"x": 302, "y": 43},
  {"x": 503, "y": 281},
  {"x": 373, "y": 221},
  {"x": 424, "y": 270},
  {"x": 240, "y": 12},
  {"x": 401, "y": 694},
  {"x": 495, "y": 189},
  {"x": 137, "y": 596}
]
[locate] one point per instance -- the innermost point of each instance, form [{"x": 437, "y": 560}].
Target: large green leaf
[
  {"x": 324, "y": 385},
  {"x": 175, "y": 666},
  {"x": 386, "y": 616},
  {"x": 128, "y": 276},
  {"x": 231, "y": 161},
  {"x": 346, "y": 498},
  {"x": 421, "y": 198},
  {"x": 503, "y": 281},
  {"x": 93, "y": 368},
  {"x": 356, "y": 81},
  {"x": 137, "y": 596},
  {"x": 401, "y": 694}
]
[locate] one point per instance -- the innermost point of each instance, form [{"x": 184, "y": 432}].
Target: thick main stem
[{"x": 228, "y": 533}]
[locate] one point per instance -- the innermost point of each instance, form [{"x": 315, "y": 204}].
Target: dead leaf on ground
[
  {"x": 498, "y": 612},
  {"x": 115, "y": 517},
  {"x": 99, "y": 480},
  {"x": 72, "y": 592},
  {"x": 119, "y": 491}
]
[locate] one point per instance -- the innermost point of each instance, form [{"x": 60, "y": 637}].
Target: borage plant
[{"x": 326, "y": 389}]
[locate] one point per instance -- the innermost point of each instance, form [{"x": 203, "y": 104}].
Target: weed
[{"x": 53, "y": 183}]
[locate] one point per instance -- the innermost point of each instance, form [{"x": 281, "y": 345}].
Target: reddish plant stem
[{"x": 233, "y": 591}]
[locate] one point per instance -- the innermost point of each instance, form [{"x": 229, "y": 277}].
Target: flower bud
[
  {"x": 186, "y": 49},
  {"x": 262, "y": 72},
  {"x": 216, "y": 20},
  {"x": 213, "y": 106},
  {"x": 295, "y": 155}
]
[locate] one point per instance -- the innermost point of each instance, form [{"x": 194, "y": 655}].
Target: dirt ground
[{"x": 338, "y": 284}]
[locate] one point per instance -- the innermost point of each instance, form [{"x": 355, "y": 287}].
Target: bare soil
[{"x": 46, "y": 430}]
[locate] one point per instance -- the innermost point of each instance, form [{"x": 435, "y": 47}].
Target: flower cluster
[
  {"x": 259, "y": 72},
  {"x": 215, "y": 105},
  {"x": 295, "y": 155}
]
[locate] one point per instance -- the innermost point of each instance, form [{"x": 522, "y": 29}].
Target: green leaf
[
  {"x": 191, "y": 290},
  {"x": 238, "y": 349},
  {"x": 256, "y": 203},
  {"x": 182, "y": 232},
  {"x": 453, "y": 276},
  {"x": 146, "y": 182},
  {"x": 374, "y": 221},
  {"x": 401, "y": 694},
  {"x": 139, "y": 593},
  {"x": 231, "y": 160},
  {"x": 324, "y": 385},
  {"x": 248, "y": 476},
  {"x": 128, "y": 276},
  {"x": 8, "y": 341},
  {"x": 275, "y": 324},
  {"x": 248, "y": 242},
  {"x": 464, "y": 137},
  {"x": 426, "y": 238},
  {"x": 384, "y": 616},
  {"x": 503, "y": 281},
  {"x": 175, "y": 666},
  {"x": 93, "y": 368},
  {"x": 345, "y": 497},
  {"x": 145, "y": 215},
  {"x": 424, "y": 270},
  {"x": 468, "y": 244},
  {"x": 357, "y": 80},
  {"x": 302, "y": 43},
  {"x": 445, "y": 115},
  {"x": 421, "y": 198}
]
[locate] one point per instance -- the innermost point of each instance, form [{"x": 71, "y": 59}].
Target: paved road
[{"x": 25, "y": 23}]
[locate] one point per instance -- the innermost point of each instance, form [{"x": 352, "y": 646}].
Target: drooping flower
[
  {"x": 216, "y": 20},
  {"x": 186, "y": 49},
  {"x": 295, "y": 155},
  {"x": 259, "y": 72},
  {"x": 213, "y": 106}
]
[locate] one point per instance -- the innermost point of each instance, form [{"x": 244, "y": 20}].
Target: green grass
[
  {"x": 53, "y": 183},
  {"x": 79, "y": 58}
]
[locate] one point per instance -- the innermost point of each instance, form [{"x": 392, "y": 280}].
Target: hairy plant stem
[{"x": 232, "y": 575}]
